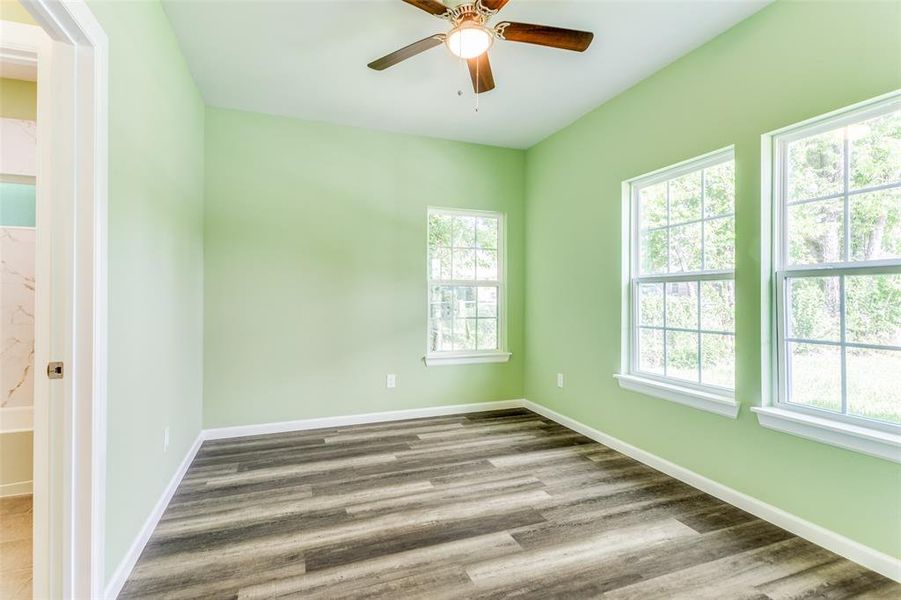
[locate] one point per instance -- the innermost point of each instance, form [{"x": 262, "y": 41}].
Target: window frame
[
  {"x": 713, "y": 398},
  {"x": 782, "y": 271},
  {"x": 454, "y": 357},
  {"x": 858, "y": 434}
]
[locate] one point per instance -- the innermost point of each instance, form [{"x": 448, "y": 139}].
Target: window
[
  {"x": 837, "y": 186},
  {"x": 466, "y": 287},
  {"x": 681, "y": 297}
]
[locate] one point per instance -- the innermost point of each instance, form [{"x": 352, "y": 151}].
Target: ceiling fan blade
[
  {"x": 494, "y": 4},
  {"x": 480, "y": 73},
  {"x": 430, "y": 6},
  {"x": 389, "y": 60},
  {"x": 543, "y": 35}
]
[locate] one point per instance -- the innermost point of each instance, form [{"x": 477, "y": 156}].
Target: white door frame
[{"x": 71, "y": 305}]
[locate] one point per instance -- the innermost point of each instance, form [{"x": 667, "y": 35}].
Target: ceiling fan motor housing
[
  {"x": 470, "y": 37},
  {"x": 473, "y": 12}
]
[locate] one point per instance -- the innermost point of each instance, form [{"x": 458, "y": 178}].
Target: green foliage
[
  {"x": 673, "y": 245},
  {"x": 875, "y": 147},
  {"x": 463, "y": 248},
  {"x": 872, "y": 302}
]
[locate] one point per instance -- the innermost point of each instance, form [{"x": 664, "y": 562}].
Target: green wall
[
  {"x": 315, "y": 268},
  {"x": 785, "y": 64},
  {"x": 155, "y": 264}
]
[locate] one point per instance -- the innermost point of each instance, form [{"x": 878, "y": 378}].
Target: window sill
[
  {"x": 446, "y": 360},
  {"x": 716, "y": 403},
  {"x": 881, "y": 444}
]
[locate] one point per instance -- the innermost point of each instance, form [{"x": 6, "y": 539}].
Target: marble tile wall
[
  {"x": 19, "y": 147},
  {"x": 17, "y": 251}
]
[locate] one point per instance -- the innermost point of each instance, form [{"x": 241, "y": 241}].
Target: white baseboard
[
  {"x": 832, "y": 541},
  {"x": 120, "y": 575},
  {"x": 392, "y": 415},
  {"x": 863, "y": 555},
  {"x": 19, "y": 488}
]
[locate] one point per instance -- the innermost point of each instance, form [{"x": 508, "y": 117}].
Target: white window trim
[
  {"x": 447, "y": 359},
  {"x": 714, "y": 399},
  {"x": 469, "y": 357},
  {"x": 852, "y": 433},
  {"x": 723, "y": 405}
]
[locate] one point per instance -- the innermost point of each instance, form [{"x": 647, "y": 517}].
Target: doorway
[
  {"x": 65, "y": 374},
  {"x": 18, "y": 172}
]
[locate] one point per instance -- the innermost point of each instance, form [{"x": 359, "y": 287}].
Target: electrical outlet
[
  {"x": 166, "y": 439},
  {"x": 560, "y": 380},
  {"x": 391, "y": 381}
]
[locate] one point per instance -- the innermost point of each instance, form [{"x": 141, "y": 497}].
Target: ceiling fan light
[{"x": 469, "y": 40}]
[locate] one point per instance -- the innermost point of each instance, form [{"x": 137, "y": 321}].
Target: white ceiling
[{"x": 307, "y": 59}]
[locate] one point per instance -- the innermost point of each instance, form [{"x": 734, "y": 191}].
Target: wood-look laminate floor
[{"x": 491, "y": 505}]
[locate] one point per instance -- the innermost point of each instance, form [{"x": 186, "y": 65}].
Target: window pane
[
  {"x": 486, "y": 232},
  {"x": 719, "y": 243},
  {"x": 487, "y": 297},
  {"x": 685, "y": 248},
  {"x": 815, "y": 166},
  {"x": 682, "y": 305},
  {"x": 815, "y": 372},
  {"x": 650, "y": 351},
  {"x": 464, "y": 232},
  {"x": 440, "y": 264},
  {"x": 718, "y": 360},
  {"x": 652, "y": 251},
  {"x": 652, "y": 206},
  {"x": 465, "y": 302},
  {"x": 873, "y": 309},
  {"x": 487, "y": 334},
  {"x": 442, "y": 337},
  {"x": 465, "y": 248},
  {"x": 873, "y": 389},
  {"x": 816, "y": 232},
  {"x": 464, "y": 264},
  {"x": 440, "y": 230},
  {"x": 718, "y": 305},
  {"x": 650, "y": 304},
  {"x": 719, "y": 189},
  {"x": 814, "y": 308},
  {"x": 442, "y": 302},
  {"x": 465, "y": 334},
  {"x": 682, "y": 355},
  {"x": 685, "y": 198},
  {"x": 875, "y": 147},
  {"x": 876, "y": 225},
  {"x": 486, "y": 265}
]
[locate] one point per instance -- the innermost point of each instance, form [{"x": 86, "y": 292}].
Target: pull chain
[
  {"x": 478, "y": 81},
  {"x": 463, "y": 62}
]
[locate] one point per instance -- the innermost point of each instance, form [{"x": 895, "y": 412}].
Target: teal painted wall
[
  {"x": 315, "y": 268},
  {"x": 155, "y": 264},
  {"x": 785, "y": 64},
  {"x": 16, "y": 204}
]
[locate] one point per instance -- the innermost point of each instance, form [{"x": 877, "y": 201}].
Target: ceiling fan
[{"x": 470, "y": 37}]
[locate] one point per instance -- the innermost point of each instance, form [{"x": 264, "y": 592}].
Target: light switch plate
[
  {"x": 560, "y": 380},
  {"x": 391, "y": 380}
]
